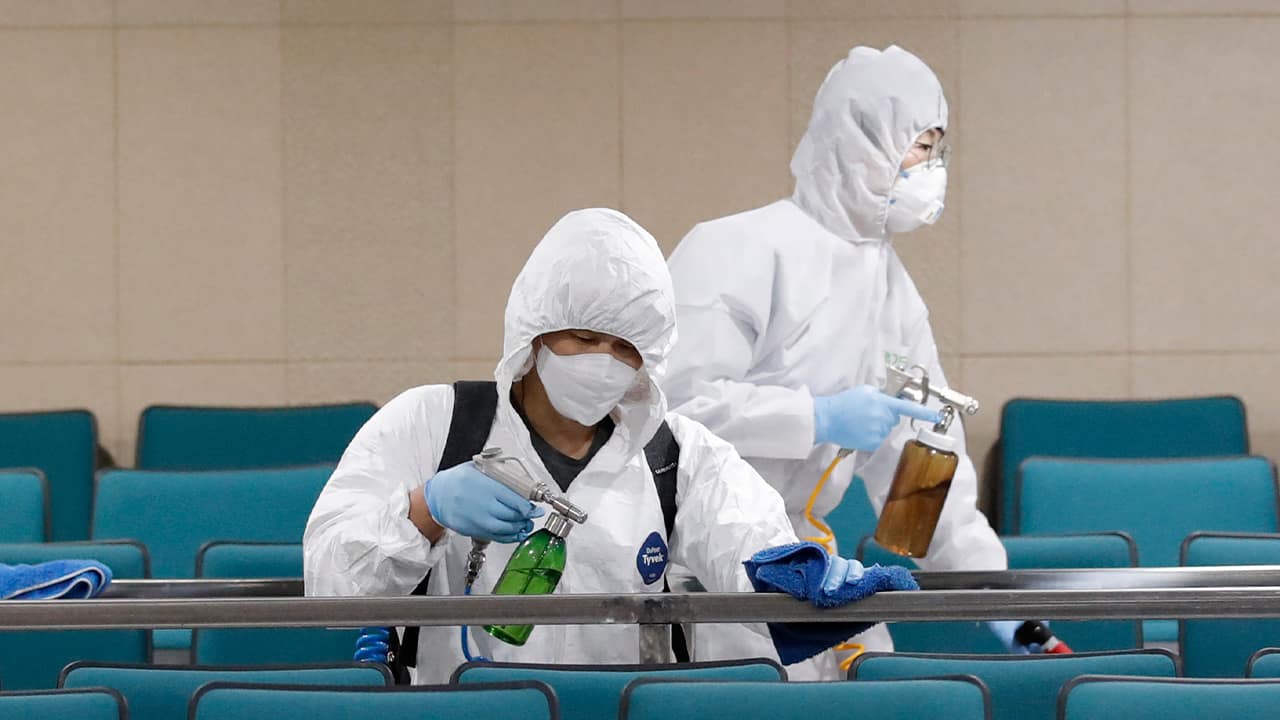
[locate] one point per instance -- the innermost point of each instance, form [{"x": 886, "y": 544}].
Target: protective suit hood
[
  {"x": 869, "y": 110},
  {"x": 597, "y": 269}
]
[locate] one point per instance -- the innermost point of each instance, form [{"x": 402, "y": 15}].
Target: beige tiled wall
[{"x": 291, "y": 201}]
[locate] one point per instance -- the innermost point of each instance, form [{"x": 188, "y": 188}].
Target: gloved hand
[
  {"x": 839, "y": 572},
  {"x": 469, "y": 502},
  {"x": 861, "y": 418},
  {"x": 1004, "y": 630},
  {"x": 373, "y": 645}
]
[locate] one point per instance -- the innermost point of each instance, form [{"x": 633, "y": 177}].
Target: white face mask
[
  {"x": 917, "y": 198},
  {"x": 584, "y": 387}
]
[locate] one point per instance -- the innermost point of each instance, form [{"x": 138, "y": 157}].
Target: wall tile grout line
[
  {"x": 1130, "y": 309},
  {"x": 285, "y": 317},
  {"x": 454, "y": 240},
  {"x": 453, "y": 244},
  {"x": 116, "y": 443},
  {"x": 958, "y": 29}
]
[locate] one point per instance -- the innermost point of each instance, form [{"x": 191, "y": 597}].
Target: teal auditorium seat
[
  {"x": 1158, "y": 502},
  {"x": 1023, "y": 687},
  {"x": 163, "y": 692},
  {"x": 31, "y": 659},
  {"x": 508, "y": 701},
  {"x": 89, "y": 704},
  {"x": 1132, "y": 429},
  {"x": 175, "y": 513},
  {"x": 1222, "y": 648},
  {"x": 1026, "y": 552},
  {"x": 854, "y": 518},
  {"x": 24, "y": 495},
  {"x": 960, "y": 697},
  {"x": 593, "y": 691},
  {"x": 1264, "y": 664},
  {"x": 260, "y": 646},
  {"x": 63, "y": 445},
  {"x": 1093, "y": 698},
  {"x": 215, "y": 438}
]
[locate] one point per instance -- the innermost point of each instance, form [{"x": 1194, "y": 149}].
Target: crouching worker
[{"x": 589, "y": 324}]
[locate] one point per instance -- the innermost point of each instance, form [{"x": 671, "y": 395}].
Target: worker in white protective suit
[
  {"x": 589, "y": 324},
  {"x": 789, "y": 313}
]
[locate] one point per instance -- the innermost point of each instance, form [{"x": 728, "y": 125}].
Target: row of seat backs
[
  {"x": 595, "y": 691},
  {"x": 175, "y": 513},
  {"x": 1198, "y": 427},
  {"x": 1158, "y": 502},
  {"x": 1040, "y": 687},
  {"x": 1011, "y": 686},
  {"x": 44, "y": 653},
  {"x": 1025, "y": 552},
  {"x": 222, "y": 695},
  {"x": 957, "y": 697},
  {"x": 1008, "y": 686},
  {"x": 745, "y": 688},
  {"x": 64, "y": 446},
  {"x": 1209, "y": 648},
  {"x": 165, "y": 692},
  {"x": 1022, "y": 687},
  {"x": 234, "y": 701}
]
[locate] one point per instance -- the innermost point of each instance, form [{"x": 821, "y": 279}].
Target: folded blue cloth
[
  {"x": 798, "y": 570},
  {"x": 74, "y": 579}
]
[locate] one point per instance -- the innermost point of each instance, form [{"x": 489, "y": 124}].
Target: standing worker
[{"x": 789, "y": 313}]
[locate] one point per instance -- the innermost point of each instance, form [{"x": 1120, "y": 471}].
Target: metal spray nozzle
[
  {"x": 901, "y": 382},
  {"x": 510, "y": 471}
]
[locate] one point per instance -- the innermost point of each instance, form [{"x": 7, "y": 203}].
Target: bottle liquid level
[
  {"x": 535, "y": 568},
  {"x": 915, "y": 501}
]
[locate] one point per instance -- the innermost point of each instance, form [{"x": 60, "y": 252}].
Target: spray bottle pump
[{"x": 537, "y": 562}]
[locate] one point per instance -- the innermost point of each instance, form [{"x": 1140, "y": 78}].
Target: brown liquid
[{"x": 919, "y": 489}]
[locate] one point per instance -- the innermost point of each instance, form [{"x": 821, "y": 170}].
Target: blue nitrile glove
[
  {"x": 1004, "y": 630},
  {"x": 861, "y": 418},
  {"x": 373, "y": 645},
  {"x": 840, "y": 571},
  {"x": 469, "y": 502}
]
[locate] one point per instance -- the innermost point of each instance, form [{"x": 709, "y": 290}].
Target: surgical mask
[
  {"x": 917, "y": 197},
  {"x": 584, "y": 387}
]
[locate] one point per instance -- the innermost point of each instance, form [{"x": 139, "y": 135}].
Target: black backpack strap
[
  {"x": 475, "y": 405},
  {"x": 663, "y": 455}
]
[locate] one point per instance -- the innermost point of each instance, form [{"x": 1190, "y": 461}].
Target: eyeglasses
[{"x": 937, "y": 155}]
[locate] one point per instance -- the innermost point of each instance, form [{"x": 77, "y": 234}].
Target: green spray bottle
[{"x": 535, "y": 568}]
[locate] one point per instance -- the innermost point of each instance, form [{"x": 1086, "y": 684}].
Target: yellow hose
[{"x": 828, "y": 541}]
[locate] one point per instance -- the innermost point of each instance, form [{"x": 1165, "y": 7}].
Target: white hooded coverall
[
  {"x": 596, "y": 270},
  {"x": 806, "y": 297}
]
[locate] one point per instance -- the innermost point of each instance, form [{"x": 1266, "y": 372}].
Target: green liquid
[{"x": 534, "y": 569}]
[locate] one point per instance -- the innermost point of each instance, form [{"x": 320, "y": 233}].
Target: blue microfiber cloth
[
  {"x": 73, "y": 579},
  {"x": 798, "y": 570}
]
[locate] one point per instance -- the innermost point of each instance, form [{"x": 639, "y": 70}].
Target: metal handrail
[
  {"x": 654, "y": 608},
  {"x": 1126, "y": 593},
  {"x": 1069, "y": 579}
]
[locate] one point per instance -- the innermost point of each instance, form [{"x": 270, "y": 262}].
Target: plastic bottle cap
[
  {"x": 935, "y": 440},
  {"x": 558, "y": 525}
]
